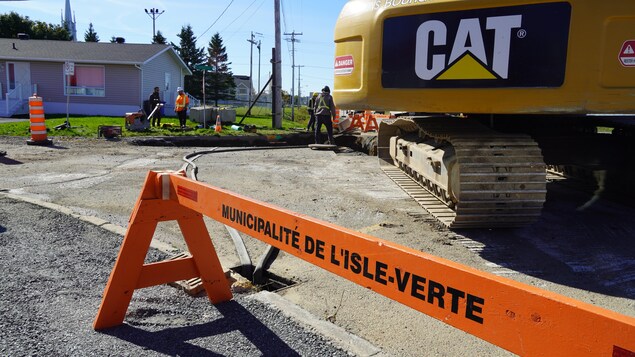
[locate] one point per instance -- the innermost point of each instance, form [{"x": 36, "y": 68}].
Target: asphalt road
[
  {"x": 582, "y": 251},
  {"x": 54, "y": 267}
]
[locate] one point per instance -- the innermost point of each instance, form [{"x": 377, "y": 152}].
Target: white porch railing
[
  {"x": 13, "y": 99},
  {"x": 194, "y": 102}
]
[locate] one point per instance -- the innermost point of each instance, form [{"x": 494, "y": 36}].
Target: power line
[
  {"x": 241, "y": 14},
  {"x": 284, "y": 16},
  {"x": 246, "y": 20},
  {"x": 215, "y": 21}
]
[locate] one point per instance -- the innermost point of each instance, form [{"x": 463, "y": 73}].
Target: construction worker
[
  {"x": 180, "y": 106},
  {"x": 155, "y": 105},
  {"x": 311, "y": 110},
  {"x": 325, "y": 113}
]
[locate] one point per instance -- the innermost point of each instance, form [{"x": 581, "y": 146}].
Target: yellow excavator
[{"x": 494, "y": 92}]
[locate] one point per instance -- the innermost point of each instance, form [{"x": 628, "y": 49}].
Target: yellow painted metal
[{"x": 595, "y": 80}]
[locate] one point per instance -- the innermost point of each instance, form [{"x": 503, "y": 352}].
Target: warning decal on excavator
[
  {"x": 344, "y": 65},
  {"x": 627, "y": 54},
  {"x": 516, "y": 46}
]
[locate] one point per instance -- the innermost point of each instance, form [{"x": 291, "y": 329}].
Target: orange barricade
[
  {"x": 517, "y": 317},
  {"x": 38, "y": 126},
  {"x": 356, "y": 122},
  {"x": 371, "y": 123}
]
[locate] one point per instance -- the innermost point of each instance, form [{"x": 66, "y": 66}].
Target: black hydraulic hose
[
  {"x": 271, "y": 253},
  {"x": 189, "y": 158}
]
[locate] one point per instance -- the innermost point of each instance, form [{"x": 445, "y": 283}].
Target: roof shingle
[{"x": 85, "y": 52}]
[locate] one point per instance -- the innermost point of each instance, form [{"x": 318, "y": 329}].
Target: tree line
[{"x": 219, "y": 83}]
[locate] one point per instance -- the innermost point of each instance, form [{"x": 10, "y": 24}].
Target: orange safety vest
[{"x": 181, "y": 102}]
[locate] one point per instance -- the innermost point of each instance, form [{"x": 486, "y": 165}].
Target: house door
[
  {"x": 167, "y": 92},
  {"x": 19, "y": 76}
]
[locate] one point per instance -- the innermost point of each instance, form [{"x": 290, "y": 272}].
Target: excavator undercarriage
[{"x": 464, "y": 173}]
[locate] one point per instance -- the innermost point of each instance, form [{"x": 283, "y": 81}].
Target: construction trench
[{"x": 562, "y": 253}]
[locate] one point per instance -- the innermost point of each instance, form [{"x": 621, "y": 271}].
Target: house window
[{"x": 87, "y": 81}]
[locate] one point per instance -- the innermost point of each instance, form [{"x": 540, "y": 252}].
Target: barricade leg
[
  {"x": 357, "y": 122},
  {"x": 371, "y": 123},
  {"x": 206, "y": 260},
  {"x": 130, "y": 272}
]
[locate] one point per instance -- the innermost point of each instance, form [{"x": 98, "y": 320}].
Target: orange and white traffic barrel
[{"x": 38, "y": 126}]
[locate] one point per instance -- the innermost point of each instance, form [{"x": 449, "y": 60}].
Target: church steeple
[{"x": 69, "y": 21}]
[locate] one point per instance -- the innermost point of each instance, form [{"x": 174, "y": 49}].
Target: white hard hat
[{"x": 178, "y": 89}]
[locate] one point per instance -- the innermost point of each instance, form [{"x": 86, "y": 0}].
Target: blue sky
[{"x": 124, "y": 18}]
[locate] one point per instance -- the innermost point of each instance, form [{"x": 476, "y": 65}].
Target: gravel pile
[{"x": 55, "y": 269}]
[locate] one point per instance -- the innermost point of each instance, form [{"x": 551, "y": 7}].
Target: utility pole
[
  {"x": 154, "y": 14},
  {"x": 258, "y": 46},
  {"x": 293, "y": 41},
  {"x": 251, "y": 56},
  {"x": 277, "y": 66},
  {"x": 299, "y": 88}
]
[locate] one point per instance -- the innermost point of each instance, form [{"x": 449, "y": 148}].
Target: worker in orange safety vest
[{"x": 180, "y": 106}]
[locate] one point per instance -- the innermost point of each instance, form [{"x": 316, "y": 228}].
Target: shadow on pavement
[
  {"x": 8, "y": 161},
  {"x": 174, "y": 341},
  {"x": 576, "y": 242}
]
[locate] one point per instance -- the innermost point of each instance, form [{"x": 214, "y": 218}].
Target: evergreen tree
[
  {"x": 12, "y": 24},
  {"x": 159, "y": 39},
  {"x": 221, "y": 81},
  {"x": 90, "y": 35},
  {"x": 192, "y": 57}
]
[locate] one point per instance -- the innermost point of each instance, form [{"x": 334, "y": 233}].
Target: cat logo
[
  {"x": 513, "y": 46},
  {"x": 468, "y": 59}
]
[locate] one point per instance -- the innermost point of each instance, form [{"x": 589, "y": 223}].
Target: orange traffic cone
[{"x": 218, "y": 128}]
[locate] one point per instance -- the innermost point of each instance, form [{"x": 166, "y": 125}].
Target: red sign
[
  {"x": 627, "y": 54},
  {"x": 344, "y": 65}
]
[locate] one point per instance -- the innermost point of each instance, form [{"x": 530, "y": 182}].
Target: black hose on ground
[{"x": 271, "y": 252}]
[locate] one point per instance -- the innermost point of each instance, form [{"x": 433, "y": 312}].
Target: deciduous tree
[{"x": 12, "y": 24}]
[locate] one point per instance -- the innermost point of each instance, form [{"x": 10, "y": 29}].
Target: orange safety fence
[{"x": 517, "y": 317}]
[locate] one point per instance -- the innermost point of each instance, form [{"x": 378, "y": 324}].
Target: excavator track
[{"x": 502, "y": 177}]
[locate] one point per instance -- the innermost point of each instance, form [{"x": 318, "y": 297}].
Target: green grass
[{"x": 87, "y": 126}]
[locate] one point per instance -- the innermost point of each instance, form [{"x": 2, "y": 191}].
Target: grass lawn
[{"x": 87, "y": 126}]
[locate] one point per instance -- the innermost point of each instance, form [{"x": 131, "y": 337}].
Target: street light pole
[{"x": 154, "y": 14}]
